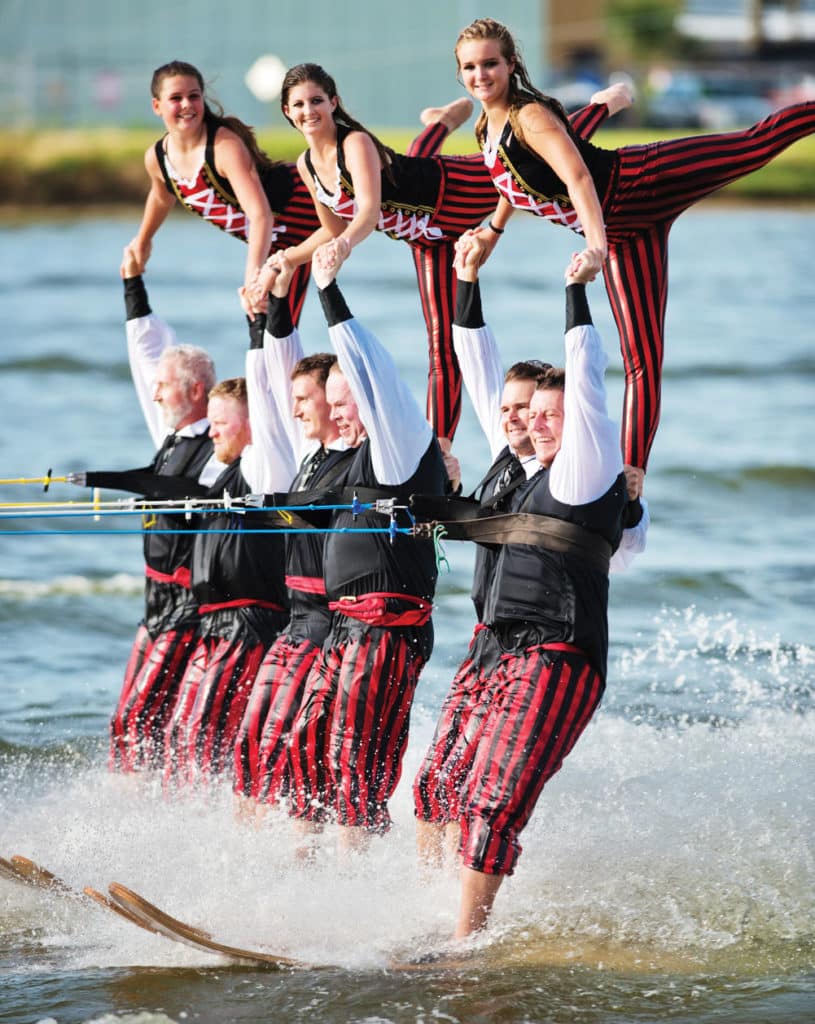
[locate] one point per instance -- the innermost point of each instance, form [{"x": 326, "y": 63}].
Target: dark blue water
[{"x": 668, "y": 872}]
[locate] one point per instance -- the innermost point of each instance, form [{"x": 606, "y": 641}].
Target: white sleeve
[
  {"x": 147, "y": 338},
  {"x": 397, "y": 428},
  {"x": 281, "y": 355},
  {"x": 632, "y": 542},
  {"x": 483, "y": 378},
  {"x": 589, "y": 460},
  {"x": 268, "y": 462}
]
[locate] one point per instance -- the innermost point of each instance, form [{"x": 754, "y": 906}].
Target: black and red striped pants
[
  {"x": 213, "y": 693},
  {"x": 153, "y": 675},
  {"x": 350, "y": 734},
  {"x": 294, "y": 225},
  {"x": 437, "y": 786},
  {"x": 541, "y": 701},
  {"x": 262, "y": 744}
]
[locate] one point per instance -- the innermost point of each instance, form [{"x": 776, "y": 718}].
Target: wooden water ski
[
  {"x": 40, "y": 877},
  {"x": 178, "y": 931},
  {"x": 28, "y": 872}
]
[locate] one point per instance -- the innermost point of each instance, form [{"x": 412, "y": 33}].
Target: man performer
[
  {"x": 545, "y": 611},
  {"x": 350, "y": 733},
  {"x": 298, "y": 385},
  {"x": 172, "y": 382},
  {"x": 502, "y": 405},
  {"x": 237, "y": 576}
]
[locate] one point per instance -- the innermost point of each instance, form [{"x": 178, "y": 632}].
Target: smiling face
[
  {"x": 344, "y": 412},
  {"x": 484, "y": 70},
  {"x": 546, "y": 424},
  {"x": 309, "y": 405},
  {"x": 310, "y": 109},
  {"x": 515, "y": 399},
  {"x": 180, "y": 103},
  {"x": 228, "y": 427}
]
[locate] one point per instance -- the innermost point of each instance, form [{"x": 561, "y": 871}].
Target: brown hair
[
  {"x": 213, "y": 111},
  {"x": 521, "y": 89},
  {"x": 553, "y": 378},
  {"x": 318, "y": 365},
  {"x": 232, "y": 387},
  {"x": 527, "y": 369},
  {"x": 302, "y": 73}
]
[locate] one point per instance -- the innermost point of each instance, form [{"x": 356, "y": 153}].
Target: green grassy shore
[{"x": 104, "y": 167}]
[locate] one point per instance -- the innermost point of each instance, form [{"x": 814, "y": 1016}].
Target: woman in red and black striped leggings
[{"x": 624, "y": 201}]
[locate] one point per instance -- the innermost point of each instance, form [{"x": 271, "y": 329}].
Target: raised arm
[
  {"x": 147, "y": 338},
  {"x": 475, "y": 344},
  {"x": 589, "y": 460},
  {"x": 269, "y": 463},
  {"x": 397, "y": 428},
  {"x": 282, "y": 350}
]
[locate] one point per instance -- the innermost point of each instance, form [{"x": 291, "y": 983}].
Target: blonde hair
[
  {"x": 521, "y": 89},
  {"x": 232, "y": 387}
]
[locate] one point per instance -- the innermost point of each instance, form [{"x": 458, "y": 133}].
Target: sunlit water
[{"x": 668, "y": 871}]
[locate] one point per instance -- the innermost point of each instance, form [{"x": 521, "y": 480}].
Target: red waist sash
[{"x": 372, "y": 609}]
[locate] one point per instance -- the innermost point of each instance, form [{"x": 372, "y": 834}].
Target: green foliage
[
  {"x": 102, "y": 167},
  {"x": 644, "y": 29}
]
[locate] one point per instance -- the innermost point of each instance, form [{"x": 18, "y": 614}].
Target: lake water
[{"x": 668, "y": 871}]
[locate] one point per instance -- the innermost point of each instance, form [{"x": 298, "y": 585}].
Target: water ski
[
  {"x": 29, "y": 873},
  {"x": 178, "y": 931}
]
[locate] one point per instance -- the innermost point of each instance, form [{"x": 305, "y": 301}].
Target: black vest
[
  {"x": 360, "y": 563},
  {"x": 305, "y": 551},
  {"x": 236, "y": 566},
  {"x": 178, "y": 456},
  {"x": 486, "y": 555},
  {"x": 560, "y": 594}
]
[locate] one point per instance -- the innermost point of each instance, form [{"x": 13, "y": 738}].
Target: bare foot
[
  {"x": 616, "y": 97},
  {"x": 452, "y": 115}
]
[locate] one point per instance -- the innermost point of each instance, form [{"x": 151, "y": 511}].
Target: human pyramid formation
[{"x": 288, "y": 664}]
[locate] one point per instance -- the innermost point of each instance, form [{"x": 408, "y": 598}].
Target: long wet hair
[
  {"x": 213, "y": 111},
  {"x": 302, "y": 73},
  {"x": 521, "y": 89}
]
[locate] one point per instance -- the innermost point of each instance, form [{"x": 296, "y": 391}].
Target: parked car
[{"x": 713, "y": 101}]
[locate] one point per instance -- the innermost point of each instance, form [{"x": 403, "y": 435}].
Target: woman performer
[
  {"x": 213, "y": 166},
  {"x": 624, "y": 201},
  {"x": 359, "y": 185}
]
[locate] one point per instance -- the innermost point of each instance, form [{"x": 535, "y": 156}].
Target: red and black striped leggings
[
  {"x": 468, "y": 198},
  {"x": 542, "y": 701},
  {"x": 656, "y": 183},
  {"x": 349, "y": 737}
]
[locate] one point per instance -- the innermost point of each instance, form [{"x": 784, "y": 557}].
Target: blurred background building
[{"x": 88, "y": 62}]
